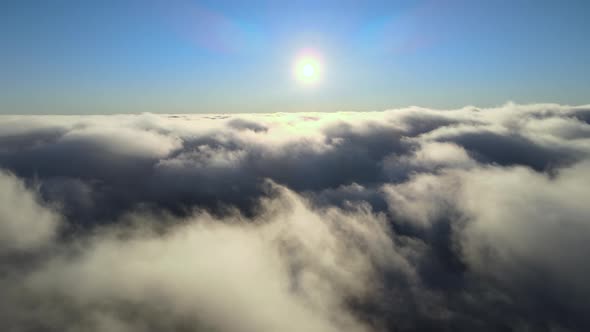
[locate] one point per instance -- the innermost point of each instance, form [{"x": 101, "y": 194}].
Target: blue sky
[{"x": 174, "y": 56}]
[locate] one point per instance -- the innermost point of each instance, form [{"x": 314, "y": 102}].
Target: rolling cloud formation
[{"x": 404, "y": 220}]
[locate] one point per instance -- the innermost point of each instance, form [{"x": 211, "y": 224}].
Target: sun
[{"x": 307, "y": 68}]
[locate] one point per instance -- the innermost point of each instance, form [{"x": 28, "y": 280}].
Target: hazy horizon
[{"x": 187, "y": 56}]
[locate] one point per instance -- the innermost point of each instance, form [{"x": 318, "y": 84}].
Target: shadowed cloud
[{"x": 403, "y": 220}]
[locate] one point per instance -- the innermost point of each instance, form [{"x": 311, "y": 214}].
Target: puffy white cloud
[
  {"x": 525, "y": 224},
  {"x": 25, "y": 223},
  {"x": 293, "y": 268},
  {"x": 122, "y": 141},
  {"x": 404, "y": 220}
]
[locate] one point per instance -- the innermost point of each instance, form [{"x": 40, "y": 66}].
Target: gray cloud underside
[{"x": 404, "y": 220}]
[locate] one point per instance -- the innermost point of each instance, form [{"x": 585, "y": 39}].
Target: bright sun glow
[{"x": 307, "y": 68}]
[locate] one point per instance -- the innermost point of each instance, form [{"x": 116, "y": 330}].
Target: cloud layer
[{"x": 404, "y": 220}]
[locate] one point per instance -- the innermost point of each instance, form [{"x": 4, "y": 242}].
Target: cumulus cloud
[
  {"x": 25, "y": 223},
  {"x": 291, "y": 268},
  {"x": 524, "y": 225},
  {"x": 403, "y": 220}
]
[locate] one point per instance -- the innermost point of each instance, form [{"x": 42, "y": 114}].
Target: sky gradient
[{"x": 93, "y": 57}]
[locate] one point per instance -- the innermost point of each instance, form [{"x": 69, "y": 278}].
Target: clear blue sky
[{"x": 107, "y": 56}]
